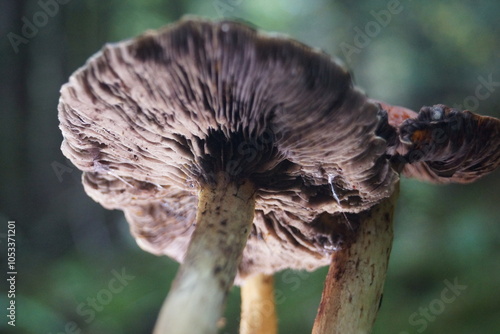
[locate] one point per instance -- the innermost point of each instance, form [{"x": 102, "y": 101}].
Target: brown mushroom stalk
[
  {"x": 223, "y": 222},
  {"x": 258, "y": 310},
  {"x": 354, "y": 284}
]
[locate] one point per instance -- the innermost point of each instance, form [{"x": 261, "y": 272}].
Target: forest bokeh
[{"x": 410, "y": 53}]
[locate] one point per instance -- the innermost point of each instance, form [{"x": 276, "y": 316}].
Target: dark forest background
[{"x": 69, "y": 247}]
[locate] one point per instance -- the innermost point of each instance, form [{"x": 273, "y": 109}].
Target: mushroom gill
[{"x": 152, "y": 119}]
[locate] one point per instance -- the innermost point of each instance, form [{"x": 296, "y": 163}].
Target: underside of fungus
[
  {"x": 152, "y": 120},
  {"x": 240, "y": 154}
]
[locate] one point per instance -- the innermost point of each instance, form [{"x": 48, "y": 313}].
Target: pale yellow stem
[{"x": 258, "y": 311}]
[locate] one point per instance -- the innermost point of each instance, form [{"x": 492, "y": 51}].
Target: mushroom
[{"x": 238, "y": 154}]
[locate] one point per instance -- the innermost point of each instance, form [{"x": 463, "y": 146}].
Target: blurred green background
[{"x": 68, "y": 247}]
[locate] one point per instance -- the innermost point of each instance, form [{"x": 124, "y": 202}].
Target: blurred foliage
[{"x": 68, "y": 246}]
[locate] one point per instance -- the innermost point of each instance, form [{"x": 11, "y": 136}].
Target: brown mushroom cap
[
  {"x": 444, "y": 145},
  {"x": 150, "y": 119}
]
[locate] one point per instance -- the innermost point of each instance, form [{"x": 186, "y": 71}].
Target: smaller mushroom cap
[{"x": 443, "y": 145}]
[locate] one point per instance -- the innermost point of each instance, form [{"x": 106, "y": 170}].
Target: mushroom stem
[
  {"x": 258, "y": 312},
  {"x": 354, "y": 284},
  {"x": 223, "y": 222}
]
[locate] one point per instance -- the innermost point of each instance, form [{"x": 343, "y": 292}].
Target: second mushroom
[{"x": 240, "y": 154}]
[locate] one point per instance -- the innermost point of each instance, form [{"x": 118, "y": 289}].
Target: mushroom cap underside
[
  {"x": 152, "y": 119},
  {"x": 444, "y": 145}
]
